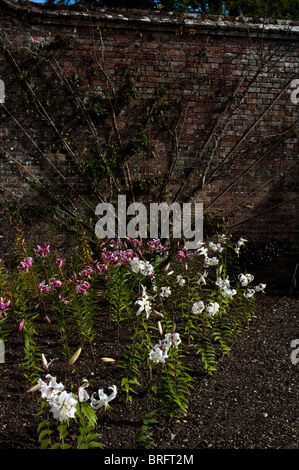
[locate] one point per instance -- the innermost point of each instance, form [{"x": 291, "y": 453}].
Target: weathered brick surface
[{"x": 233, "y": 78}]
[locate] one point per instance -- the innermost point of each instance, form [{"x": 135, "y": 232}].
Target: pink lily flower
[
  {"x": 4, "y": 305},
  {"x": 64, "y": 300},
  {"x": 42, "y": 251},
  {"x": 55, "y": 282},
  {"x": 60, "y": 262},
  {"x": 82, "y": 287},
  {"x": 86, "y": 272},
  {"x": 26, "y": 264},
  {"x": 101, "y": 267},
  {"x": 75, "y": 278},
  {"x": 43, "y": 287}
]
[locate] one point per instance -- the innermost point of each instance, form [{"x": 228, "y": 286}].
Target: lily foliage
[{"x": 170, "y": 304}]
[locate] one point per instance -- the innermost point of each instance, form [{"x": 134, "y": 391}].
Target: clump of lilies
[
  {"x": 195, "y": 291},
  {"x": 65, "y": 405}
]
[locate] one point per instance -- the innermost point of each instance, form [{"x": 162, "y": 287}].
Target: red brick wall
[{"x": 233, "y": 78}]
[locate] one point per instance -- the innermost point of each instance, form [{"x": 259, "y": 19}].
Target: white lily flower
[
  {"x": 202, "y": 278},
  {"x": 143, "y": 267},
  {"x": 228, "y": 293},
  {"x": 223, "y": 283},
  {"x": 241, "y": 242},
  {"x": 103, "y": 398},
  {"x": 212, "y": 309},
  {"x": 203, "y": 251},
  {"x": 245, "y": 279},
  {"x": 146, "y": 268},
  {"x": 172, "y": 339},
  {"x": 222, "y": 238},
  {"x": 216, "y": 247},
  {"x": 159, "y": 352},
  {"x": 180, "y": 280},
  {"x": 249, "y": 293},
  {"x": 82, "y": 393},
  {"x": 198, "y": 307},
  {"x": 144, "y": 305},
  {"x": 165, "y": 292},
  {"x": 260, "y": 288},
  {"x": 63, "y": 406},
  {"x": 136, "y": 264},
  {"x": 211, "y": 261},
  {"x": 237, "y": 250},
  {"x": 50, "y": 388}
]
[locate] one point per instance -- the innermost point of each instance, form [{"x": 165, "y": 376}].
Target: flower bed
[{"x": 170, "y": 313}]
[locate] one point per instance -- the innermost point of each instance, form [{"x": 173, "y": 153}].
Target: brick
[{"x": 161, "y": 52}]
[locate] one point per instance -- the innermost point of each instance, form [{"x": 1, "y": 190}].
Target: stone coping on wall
[{"x": 40, "y": 13}]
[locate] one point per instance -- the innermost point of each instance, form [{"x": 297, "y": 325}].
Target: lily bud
[
  {"x": 158, "y": 313},
  {"x": 44, "y": 362},
  {"x": 167, "y": 267},
  {"x": 75, "y": 356},
  {"x": 21, "y": 325},
  {"x": 23, "y": 246},
  {"x": 107, "y": 359},
  {"x": 34, "y": 388},
  {"x": 170, "y": 272},
  {"x": 160, "y": 328}
]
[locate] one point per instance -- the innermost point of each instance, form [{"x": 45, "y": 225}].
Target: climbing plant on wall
[{"x": 155, "y": 126}]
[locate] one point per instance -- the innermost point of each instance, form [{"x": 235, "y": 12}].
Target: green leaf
[
  {"x": 153, "y": 421},
  {"x": 83, "y": 445},
  {"x": 62, "y": 429},
  {"x": 89, "y": 413},
  {"x": 95, "y": 444},
  {"x": 45, "y": 443},
  {"x": 43, "y": 433},
  {"x": 124, "y": 381},
  {"x": 42, "y": 424},
  {"x": 92, "y": 437},
  {"x": 57, "y": 445}
]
